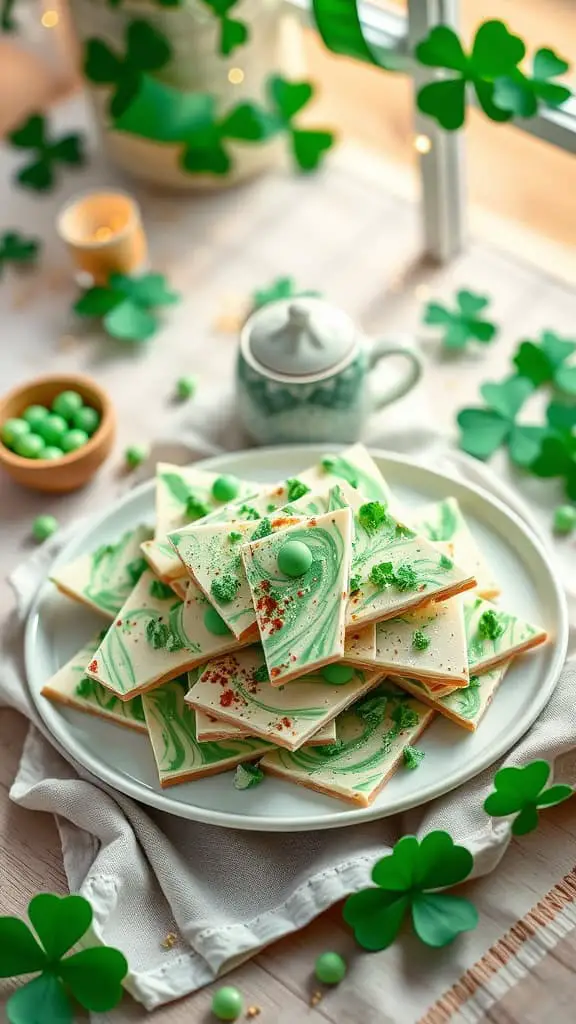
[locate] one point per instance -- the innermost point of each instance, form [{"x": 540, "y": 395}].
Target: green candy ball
[
  {"x": 43, "y": 527},
  {"x": 136, "y": 455},
  {"x": 338, "y": 675},
  {"x": 51, "y": 452},
  {"x": 215, "y": 623},
  {"x": 227, "y": 1003},
  {"x": 225, "y": 488},
  {"x": 74, "y": 439},
  {"x": 67, "y": 403},
  {"x": 52, "y": 429},
  {"x": 29, "y": 446},
  {"x": 86, "y": 419},
  {"x": 294, "y": 558},
  {"x": 330, "y": 968},
  {"x": 12, "y": 429},
  {"x": 34, "y": 415},
  {"x": 185, "y": 387},
  {"x": 564, "y": 519}
]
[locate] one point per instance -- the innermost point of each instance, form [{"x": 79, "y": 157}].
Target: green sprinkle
[
  {"x": 355, "y": 583},
  {"x": 564, "y": 519},
  {"x": 227, "y": 1003},
  {"x": 225, "y": 588},
  {"x": 86, "y": 419},
  {"x": 234, "y": 536},
  {"x": 420, "y": 642},
  {"x": 214, "y": 623},
  {"x": 225, "y": 488},
  {"x": 489, "y": 626},
  {"x": 412, "y": 757},
  {"x": 330, "y": 968},
  {"x": 160, "y": 590},
  {"x": 29, "y": 446},
  {"x": 195, "y": 508},
  {"x": 271, "y": 508},
  {"x": 248, "y": 512},
  {"x": 338, "y": 675},
  {"x": 74, "y": 439},
  {"x": 261, "y": 674},
  {"x": 12, "y": 429},
  {"x": 185, "y": 388},
  {"x": 247, "y": 776},
  {"x": 445, "y": 562},
  {"x": 296, "y": 489},
  {"x": 67, "y": 403},
  {"x": 43, "y": 527},
  {"x": 161, "y": 637},
  {"x": 405, "y": 577},
  {"x": 263, "y": 529},
  {"x": 372, "y": 516},
  {"x": 382, "y": 575},
  {"x": 136, "y": 455},
  {"x": 404, "y": 717},
  {"x": 34, "y": 415}
]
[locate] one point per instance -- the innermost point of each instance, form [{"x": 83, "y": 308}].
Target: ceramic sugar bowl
[{"x": 304, "y": 372}]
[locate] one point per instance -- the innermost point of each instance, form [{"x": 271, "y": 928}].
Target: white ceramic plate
[{"x": 57, "y": 628}]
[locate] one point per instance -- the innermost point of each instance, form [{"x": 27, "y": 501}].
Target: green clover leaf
[
  {"x": 404, "y": 879},
  {"x": 557, "y": 458},
  {"x": 495, "y": 53},
  {"x": 288, "y": 99},
  {"x": 93, "y": 976},
  {"x": 280, "y": 288},
  {"x": 521, "y": 791},
  {"x": 523, "y": 94},
  {"x": 233, "y": 33},
  {"x": 39, "y": 174},
  {"x": 15, "y": 248},
  {"x": 340, "y": 27},
  {"x": 125, "y": 305},
  {"x": 484, "y": 430},
  {"x": 7, "y": 23},
  {"x": 463, "y": 324},
  {"x": 544, "y": 362},
  {"x": 146, "y": 49}
]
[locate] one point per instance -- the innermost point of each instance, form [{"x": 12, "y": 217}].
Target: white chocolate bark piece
[
  {"x": 360, "y": 645},
  {"x": 71, "y": 686},
  {"x": 444, "y": 525},
  {"x": 467, "y": 706},
  {"x": 103, "y": 579},
  {"x": 494, "y": 636},
  {"x": 354, "y": 466},
  {"x": 184, "y": 494},
  {"x": 301, "y": 619},
  {"x": 235, "y": 689},
  {"x": 180, "y": 586},
  {"x": 172, "y": 731},
  {"x": 154, "y": 638},
  {"x": 429, "y": 644},
  {"x": 371, "y": 737},
  {"x": 210, "y": 728}
]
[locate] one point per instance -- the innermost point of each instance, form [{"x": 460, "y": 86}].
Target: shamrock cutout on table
[
  {"x": 288, "y": 99},
  {"x": 15, "y": 248},
  {"x": 281, "y": 288},
  {"x": 233, "y": 32},
  {"x": 125, "y": 305},
  {"x": 523, "y": 94},
  {"x": 521, "y": 791},
  {"x": 40, "y": 173},
  {"x": 92, "y": 976},
  {"x": 485, "y": 430},
  {"x": 464, "y": 323},
  {"x": 544, "y": 362},
  {"x": 7, "y": 23},
  {"x": 495, "y": 53},
  {"x": 146, "y": 50},
  {"x": 406, "y": 880},
  {"x": 557, "y": 455}
]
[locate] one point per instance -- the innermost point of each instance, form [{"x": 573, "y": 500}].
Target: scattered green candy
[
  {"x": 86, "y": 418},
  {"x": 225, "y": 488},
  {"x": 261, "y": 674},
  {"x": 294, "y": 558},
  {"x": 338, "y": 675},
  {"x": 564, "y": 519},
  {"x": 52, "y": 429},
  {"x": 29, "y": 446},
  {"x": 51, "y": 452},
  {"x": 186, "y": 387},
  {"x": 12, "y": 429},
  {"x": 412, "y": 757},
  {"x": 136, "y": 455},
  {"x": 489, "y": 625},
  {"x": 247, "y": 776},
  {"x": 264, "y": 529},
  {"x": 420, "y": 642},
  {"x": 195, "y": 508},
  {"x": 382, "y": 575},
  {"x": 330, "y": 968},
  {"x": 225, "y": 588},
  {"x": 214, "y": 623},
  {"x": 372, "y": 516},
  {"x": 43, "y": 527},
  {"x": 67, "y": 403},
  {"x": 74, "y": 439},
  {"x": 34, "y": 415},
  {"x": 296, "y": 489},
  {"x": 405, "y": 577},
  {"x": 234, "y": 536},
  {"x": 355, "y": 583},
  {"x": 227, "y": 1003}
]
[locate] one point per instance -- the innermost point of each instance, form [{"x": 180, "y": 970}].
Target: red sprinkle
[
  {"x": 227, "y": 698},
  {"x": 93, "y": 666},
  {"x": 119, "y": 623},
  {"x": 275, "y": 672}
]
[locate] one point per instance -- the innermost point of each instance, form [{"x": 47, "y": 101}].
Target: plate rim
[{"x": 340, "y": 818}]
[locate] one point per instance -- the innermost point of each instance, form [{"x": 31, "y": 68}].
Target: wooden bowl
[{"x": 72, "y": 470}]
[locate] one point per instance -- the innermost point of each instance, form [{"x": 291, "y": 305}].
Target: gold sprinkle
[
  {"x": 252, "y": 1011},
  {"x": 50, "y": 19},
  {"x": 170, "y": 941},
  {"x": 315, "y": 998}
]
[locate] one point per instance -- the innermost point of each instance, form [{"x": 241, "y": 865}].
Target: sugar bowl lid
[{"x": 299, "y": 336}]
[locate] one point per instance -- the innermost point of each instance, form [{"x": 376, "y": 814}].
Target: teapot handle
[{"x": 381, "y": 349}]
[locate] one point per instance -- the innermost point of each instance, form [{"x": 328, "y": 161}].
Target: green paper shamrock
[
  {"x": 40, "y": 173},
  {"x": 406, "y": 879},
  {"x": 288, "y": 99},
  {"x": 125, "y": 305},
  {"x": 15, "y": 248},
  {"x": 521, "y": 791},
  {"x": 233, "y": 33},
  {"x": 557, "y": 454},
  {"x": 280, "y": 288},
  {"x": 7, "y": 23},
  {"x": 522, "y": 94},
  {"x": 544, "y": 362},
  {"x": 93, "y": 976},
  {"x": 205, "y": 151},
  {"x": 485, "y": 430},
  {"x": 464, "y": 323},
  {"x": 340, "y": 27},
  {"x": 495, "y": 53},
  {"x": 146, "y": 50}
]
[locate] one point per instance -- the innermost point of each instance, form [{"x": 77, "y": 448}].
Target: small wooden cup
[
  {"x": 104, "y": 234},
  {"x": 73, "y": 470}
]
